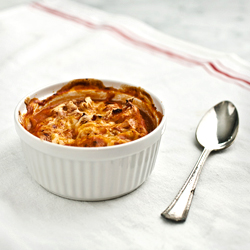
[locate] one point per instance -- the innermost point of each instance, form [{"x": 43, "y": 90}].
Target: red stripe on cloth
[
  {"x": 227, "y": 74},
  {"x": 139, "y": 42}
]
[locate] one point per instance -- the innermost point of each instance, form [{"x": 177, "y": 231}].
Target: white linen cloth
[{"x": 54, "y": 41}]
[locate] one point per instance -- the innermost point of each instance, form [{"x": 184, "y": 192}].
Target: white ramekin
[{"x": 89, "y": 174}]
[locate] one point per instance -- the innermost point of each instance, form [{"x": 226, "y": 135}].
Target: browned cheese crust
[{"x": 85, "y": 113}]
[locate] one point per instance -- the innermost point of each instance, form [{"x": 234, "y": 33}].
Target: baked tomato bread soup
[{"x": 85, "y": 113}]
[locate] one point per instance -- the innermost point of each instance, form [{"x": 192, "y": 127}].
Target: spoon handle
[{"x": 178, "y": 209}]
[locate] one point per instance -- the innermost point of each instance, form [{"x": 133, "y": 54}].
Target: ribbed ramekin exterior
[
  {"x": 91, "y": 180},
  {"x": 89, "y": 174}
]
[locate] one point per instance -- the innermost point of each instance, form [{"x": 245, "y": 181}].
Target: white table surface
[
  {"x": 220, "y": 25},
  {"x": 32, "y": 218}
]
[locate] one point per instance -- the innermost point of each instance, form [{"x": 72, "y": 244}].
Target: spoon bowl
[
  {"x": 218, "y": 127},
  {"x": 217, "y": 130}
]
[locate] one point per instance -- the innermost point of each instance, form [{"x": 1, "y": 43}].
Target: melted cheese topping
[{"x": 88, "y": 123}]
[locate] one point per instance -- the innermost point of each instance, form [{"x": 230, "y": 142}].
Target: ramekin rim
[{"x": 16, "y": 119}]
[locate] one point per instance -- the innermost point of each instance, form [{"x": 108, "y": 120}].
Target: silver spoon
[{"x": 216, "y": 130}]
